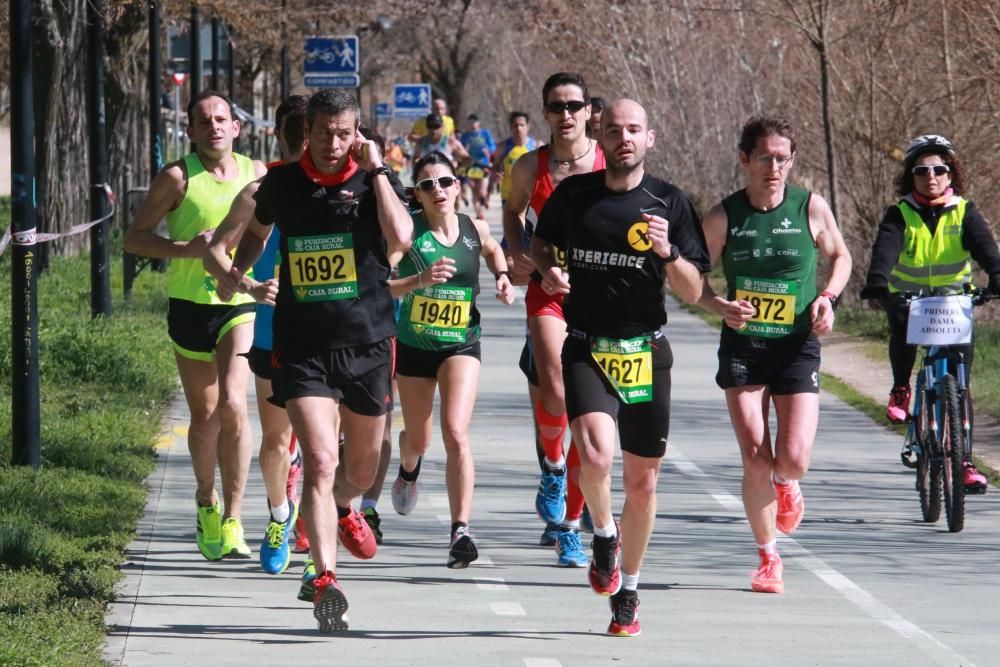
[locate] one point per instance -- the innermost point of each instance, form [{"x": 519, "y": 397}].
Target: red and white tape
[{"x": 31, "y": 236}]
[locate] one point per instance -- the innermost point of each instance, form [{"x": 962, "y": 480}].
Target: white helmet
[{"x": 928, "y": 143}]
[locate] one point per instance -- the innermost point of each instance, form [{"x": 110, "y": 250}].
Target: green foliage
[{"x": 64, "y": 529}]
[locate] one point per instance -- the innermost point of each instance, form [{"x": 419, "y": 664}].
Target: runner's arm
[
  {"x": 495, "y": 261},
  {"x": 228, "y": 235},
  {"x": 515, "y": 213},
  {"x": 831, "y": 243},
  {"x": 735, "y": 312},
  {"x": 165, "y": 194}
]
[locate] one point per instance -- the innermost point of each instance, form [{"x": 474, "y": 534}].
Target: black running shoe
[{"x": 463, "y": 550}]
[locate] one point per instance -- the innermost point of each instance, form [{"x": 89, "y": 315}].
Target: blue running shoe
[
  {"x": 570, "y": 549},
  {"x": 275, "y": 553},
  {"x": 549, "y": 535},
  {"x": 307, "y": 590},
  {"x": 550, "y": 502}
]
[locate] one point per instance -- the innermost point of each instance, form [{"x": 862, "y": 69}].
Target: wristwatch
[
  {"x": 501, "y": 273},
  {"x": 380, "y": 170},
  {"x": 674, "y": 255},
  {"x": 834, "y": 299}
]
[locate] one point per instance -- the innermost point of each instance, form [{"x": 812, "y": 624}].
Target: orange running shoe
[
  {"x": 791, "y": 506},
  {"x": 767, "y": 578},
  {"x": 357, "y": 536}
]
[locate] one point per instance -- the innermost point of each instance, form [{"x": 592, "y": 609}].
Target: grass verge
[{"x": 64, "y": 529}]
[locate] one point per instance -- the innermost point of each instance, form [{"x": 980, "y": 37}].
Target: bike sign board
[
  {"x": 383, "y": 111},
  {"x": 412, "y": 100},
  {"x": 332, "y": 62},
  {"x": 940, "y": 320}
]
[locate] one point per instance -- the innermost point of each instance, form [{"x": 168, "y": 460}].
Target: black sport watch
[
  {"x": 674, "y": 255},
  {"x": 380, "y": 170}
]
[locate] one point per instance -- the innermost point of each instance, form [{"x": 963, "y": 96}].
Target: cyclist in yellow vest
[
  {"x": 194, "y": 195},
  {"x": 926, "y": 244}
]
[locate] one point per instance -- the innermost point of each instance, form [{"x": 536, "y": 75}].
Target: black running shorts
[
  {"x": 359, "y": 376},
  {"x": 642, "y": 427},
  {"x": 197, "y": 328},
  {"x": 788, "y": 365},
  {"x": 414, "y": 362}
]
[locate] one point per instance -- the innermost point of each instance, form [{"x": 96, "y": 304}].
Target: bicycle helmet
[{"x": 929, "y": 143}]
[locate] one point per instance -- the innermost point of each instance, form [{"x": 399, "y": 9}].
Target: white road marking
[
  {"x": 444, "y": 518},
  {"x": 861, "y": 598},
  {"x": 491, "y": 584},
  {"x": 438, "y": 500},
  {"x": 541, "y": 662},
  {"x": 507, "y": 609}
]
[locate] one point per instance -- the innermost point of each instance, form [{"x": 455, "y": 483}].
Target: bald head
[{"x": 625, "y": 134}]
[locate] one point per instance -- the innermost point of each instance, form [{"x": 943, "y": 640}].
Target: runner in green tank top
[
  {"x": 438, "y": 341},
  {"x": 768, "y": 236},
  {"x": 194, "y": 195}
]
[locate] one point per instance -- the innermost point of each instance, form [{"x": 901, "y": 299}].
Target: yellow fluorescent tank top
[{"x": 205, "y": 204}]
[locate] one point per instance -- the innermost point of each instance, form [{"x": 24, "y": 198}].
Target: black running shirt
[{"x": 616, "y": 280}]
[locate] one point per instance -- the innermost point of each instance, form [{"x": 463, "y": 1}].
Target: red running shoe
[
  {"x": 330, "y": 604},
  {"x": 767, "y": 578},
  {"x": 605, "y": 567},
  {"x": 791, "y": 506},
  {"x": 301, "y": 544},
  {"x": 357, "y": 536},
  {"x": 625, "y": 614},
  {"x": 975, "y": 481}
]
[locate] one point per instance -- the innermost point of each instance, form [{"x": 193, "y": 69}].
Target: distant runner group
[{"x": 325, "y": 279}]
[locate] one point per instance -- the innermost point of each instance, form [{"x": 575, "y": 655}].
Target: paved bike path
[{"x": 866, "y": 581}]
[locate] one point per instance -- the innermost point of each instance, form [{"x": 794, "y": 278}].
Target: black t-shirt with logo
[
  {"x": 616, "y": 280},
  {"x": 333, "y": 289}
]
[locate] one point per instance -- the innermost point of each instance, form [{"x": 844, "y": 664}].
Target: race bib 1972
[
  {"x": 774, "y": 306},
  {"x": 322, "y": 267}
]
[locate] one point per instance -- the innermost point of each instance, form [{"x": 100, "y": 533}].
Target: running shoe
[
  {"x": 625, "y": 614},
  {"x": 208, "y": 533},
  {"x": 404, "y": 495},
  {"x": 898, "y": 409},
  {"x": 767, "y": 577},
  {"x": 550, "y": 501},
  {"x": 570, "y": 549},
  {"x": 356, "y": 536},
  {"x": 307, "y": 590},
  {"x": 463, "y": 550},
  {"x": 234, "y": 547},
  {"x": 374, "y": 522},
  {"x": 791, "y": 506},
  {"x": 300, "y": 536},
  {"x": 910, "y": 455},
  {"x": 549, "y": 535},
  {"x": 975, "y": 481},
  {"x": 330, "y": 605},
  {"x": 605, "y": 568},
  {"x": 586, "y": 521},
  {"x": 275, "y": 554}
]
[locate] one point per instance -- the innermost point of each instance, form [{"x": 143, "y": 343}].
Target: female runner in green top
[{"x": 438, "y": 340}]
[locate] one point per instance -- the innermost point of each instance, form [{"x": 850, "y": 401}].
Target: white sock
[
  {"x": 606, "y": 531},
  {"x": 630, "y": 581},
  {"x": 572, "y": 524},
  {"x": 771, "y": 548},
  {"x": 555, "y": 465},
  {"x": 366, "y": 503},
  {"x": 280, "y": 513}
]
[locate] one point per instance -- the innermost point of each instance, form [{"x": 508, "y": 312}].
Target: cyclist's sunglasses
[
  {"x": 558, "y": 107},
  {"x": 925, "y": 169},
  {"x": 427, "y": 185}
]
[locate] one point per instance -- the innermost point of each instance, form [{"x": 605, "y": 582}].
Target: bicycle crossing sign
[
  {"x": 412, "y": 100},
  {"x": 332, "y": 62}
]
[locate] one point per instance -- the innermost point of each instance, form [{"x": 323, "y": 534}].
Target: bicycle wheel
[
  {"x": 928, "y": 466},
  {"x": 953, "y": 449}
]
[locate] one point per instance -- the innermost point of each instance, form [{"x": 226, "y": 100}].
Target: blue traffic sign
[
  {"x": 383, "y": 111},
  {"x": 412, "y": 100},
  {"x": 332, "y": 62}
]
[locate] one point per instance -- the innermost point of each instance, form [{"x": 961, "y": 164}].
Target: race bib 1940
[
  {"x": 322, "y": 267},
  {"x": 628, "y": 365},
  {"x": 774, "y": 306},
  {"x": 441, "y": 313}
]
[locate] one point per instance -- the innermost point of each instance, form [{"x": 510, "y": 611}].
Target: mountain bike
[{"x": 940, "y": 431}]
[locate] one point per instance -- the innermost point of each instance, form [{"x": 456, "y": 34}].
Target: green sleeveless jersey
[
  {"x": 205, "y": 204},
  {"x": 770, "y": 260},
  {"x": 443, "y": 316}
]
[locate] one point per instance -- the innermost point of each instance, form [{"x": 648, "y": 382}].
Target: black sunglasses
[
  {"x": 558, "y": 107},
  {"x": 925, "y": 169},
  {"x": 427, "y": 185}
]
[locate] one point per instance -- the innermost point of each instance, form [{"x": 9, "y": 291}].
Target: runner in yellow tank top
[{"x": 193, "y": 195}]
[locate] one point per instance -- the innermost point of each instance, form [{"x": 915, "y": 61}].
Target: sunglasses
[
  {"x": 926, "y": 169},
  {"x": 428, "y": 184},
  {"x": 781, "y": 161},
  {"x": 558, "y": 107}
]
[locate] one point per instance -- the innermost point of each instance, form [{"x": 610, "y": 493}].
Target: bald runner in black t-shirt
[{"x": 625, "y": 234}]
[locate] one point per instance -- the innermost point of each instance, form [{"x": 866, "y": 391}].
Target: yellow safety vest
[{"x": 932, "y": 264}]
